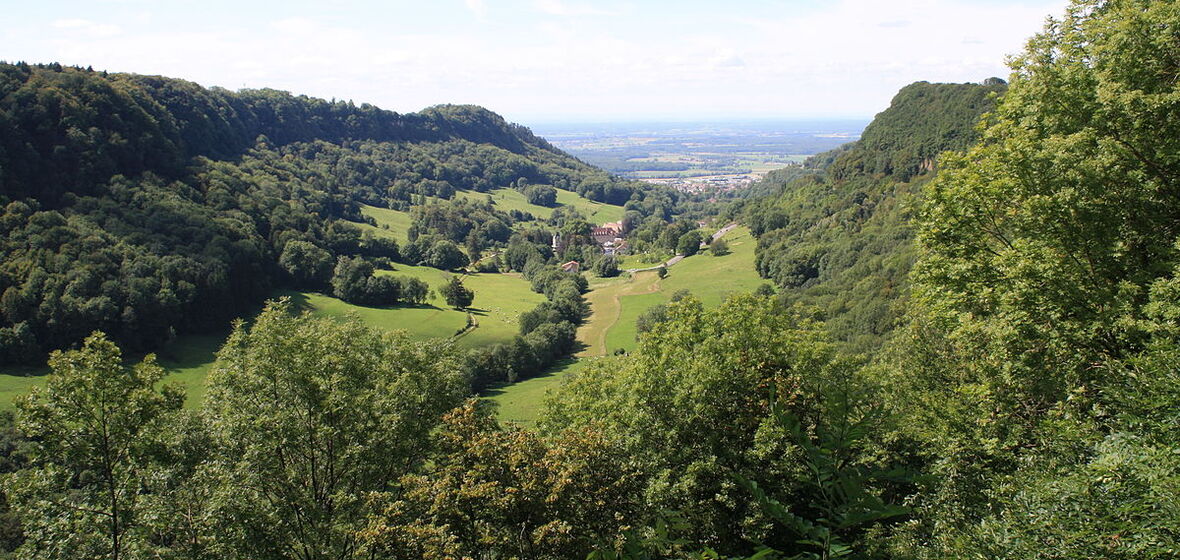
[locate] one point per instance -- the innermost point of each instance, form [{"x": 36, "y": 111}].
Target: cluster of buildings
[
  {"x": 708, "y": 184},
  {"x": 608, "y": 236}
]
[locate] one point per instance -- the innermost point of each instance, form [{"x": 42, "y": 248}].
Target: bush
[
  {"x": 307, "y": 265},
  {"x": 606, "y": 267},
  {"x": 445, "y": 255},
  {"x": 541, "y": 195},
  {"x": 689, "y": 244}
]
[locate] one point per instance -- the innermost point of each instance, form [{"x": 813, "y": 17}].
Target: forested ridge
[
  {"x": 837, "y": 234},
  {"x": 1021, "y": 401},
  {"x": 145, "y": 206}
]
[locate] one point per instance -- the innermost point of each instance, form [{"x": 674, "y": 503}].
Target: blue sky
[{"x": 546, "y": 60}]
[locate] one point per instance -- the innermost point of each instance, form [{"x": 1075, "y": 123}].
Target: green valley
[{"x": 432, "y": 334}]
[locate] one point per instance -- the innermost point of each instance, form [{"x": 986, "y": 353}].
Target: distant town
[{"x": 711, "y": 183}]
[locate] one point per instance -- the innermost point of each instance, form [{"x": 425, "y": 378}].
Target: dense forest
[
  {"x": 146, "y": 207},
  {"x": 1012, "y": 392},
  {"x": 837, "y": 234}
]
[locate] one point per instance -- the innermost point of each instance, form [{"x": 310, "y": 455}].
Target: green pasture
[
  {"x": 616, "y": 303},
  {"x": 511, "y": 199},
  {"x": 499, "y": 301},
  {"x": 711, "y": 279},
  {"x": 393, "y": 224},
  {"x": 521, "y": 402},
  {"x": 186, "y": 359}
]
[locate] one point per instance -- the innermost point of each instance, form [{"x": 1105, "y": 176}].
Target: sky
[{"x": 546, "y": 61}]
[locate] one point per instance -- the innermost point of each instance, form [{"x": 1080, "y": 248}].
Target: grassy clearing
[
  {"x": 499, "y": 301},
  {"x": 642, "y": 260},
  {"x": 711, "y": 279},
  {"x": 521, "y": 402},
  {"x": 606, "y": 306},
  {"x": 187, "y": 360},
  {"x": 616, "y": 303},
  {"x": 395, "y": 224},
  {"x": 392, "y": 224},
  {"x": 511, "y": 199}
]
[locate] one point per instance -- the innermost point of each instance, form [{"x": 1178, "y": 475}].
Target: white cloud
[
  {"x": 561, "y": 8},
  {"x": 846, "y": 58},
  {"x": 477, "y": 7},
  {"x": 87, "y": 27},
  {"x": 296, "y": 25}
]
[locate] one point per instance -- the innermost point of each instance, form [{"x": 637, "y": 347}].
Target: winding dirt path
[{"x": 606, "y": 307}]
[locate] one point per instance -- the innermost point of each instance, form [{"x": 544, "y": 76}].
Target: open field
[
  {"x": 688, "y": 150},
  {"x": 616, "y": 303},
  {"x": 711, "y": 279},
  {"x": 511, "y": 199},
  {"x": 521, "y": 402},
  {"x": 186, "y": 359},
  {"x": 393, "y": 224},
  {"x": 606, "y": 306},
  {"x": 642, "y": 260},
  {"x": 499, "y": 301}
]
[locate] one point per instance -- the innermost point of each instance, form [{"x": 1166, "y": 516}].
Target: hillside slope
[
  {"x": 145, "y": 206},
  {"x": 840, "y": 238}
]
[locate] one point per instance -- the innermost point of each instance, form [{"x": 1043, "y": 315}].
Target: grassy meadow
[
  {"x": 616, "y": 303},
  {"x": 392, "y": 224},
  {"x": 711, "y": 279},
  {"x": 511, "y": 199},
  {"x": 395, "y": 224},
  {"x": 499, "y": 301},
  {"x": 187, "y": 360},
  {"x": 520, "y": 402}
]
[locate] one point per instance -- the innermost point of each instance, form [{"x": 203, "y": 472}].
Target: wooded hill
[
  {"x": 145, "y": 206},
  {"x": 837, "y": 234}
]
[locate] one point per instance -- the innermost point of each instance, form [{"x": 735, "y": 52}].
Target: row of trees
[
  {"x": 547, "y": 332},
  {"x": 354, "y": 281}
]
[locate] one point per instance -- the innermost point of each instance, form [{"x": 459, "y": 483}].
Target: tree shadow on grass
[{"x": 558, "y": 368}]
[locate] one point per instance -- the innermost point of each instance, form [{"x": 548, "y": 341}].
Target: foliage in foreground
[
  {"x": 1040, "y": 364},
  {"x": 507, "y": 492},
  {"x": 693, "y": 406},
  {"x": 304, "y": 418}
]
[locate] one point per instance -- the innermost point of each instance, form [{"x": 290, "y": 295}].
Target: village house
[
  {"x": 602, "y": 235},
  {"x": 571, "y": 267}
]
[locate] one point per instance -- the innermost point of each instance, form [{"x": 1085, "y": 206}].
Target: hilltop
[
  {"x": 148, "y": 207},
  {"x": 837, "y": 233}
]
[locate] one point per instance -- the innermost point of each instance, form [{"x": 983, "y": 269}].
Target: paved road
[{"x": 721, "y": 232}]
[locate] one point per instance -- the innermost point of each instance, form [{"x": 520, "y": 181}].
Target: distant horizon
[
  {"x": 542, "y": 121},
  {"x": 719, "y": 120},
  {"x": 547, "y": 61}
]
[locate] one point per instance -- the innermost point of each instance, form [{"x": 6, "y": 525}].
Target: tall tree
[
  {"x": 311, "y": 416},
  {"x": 1042, "y": 249},
  {"x": 456, "y": 294},
  {"x": 94, "y": 424}
]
